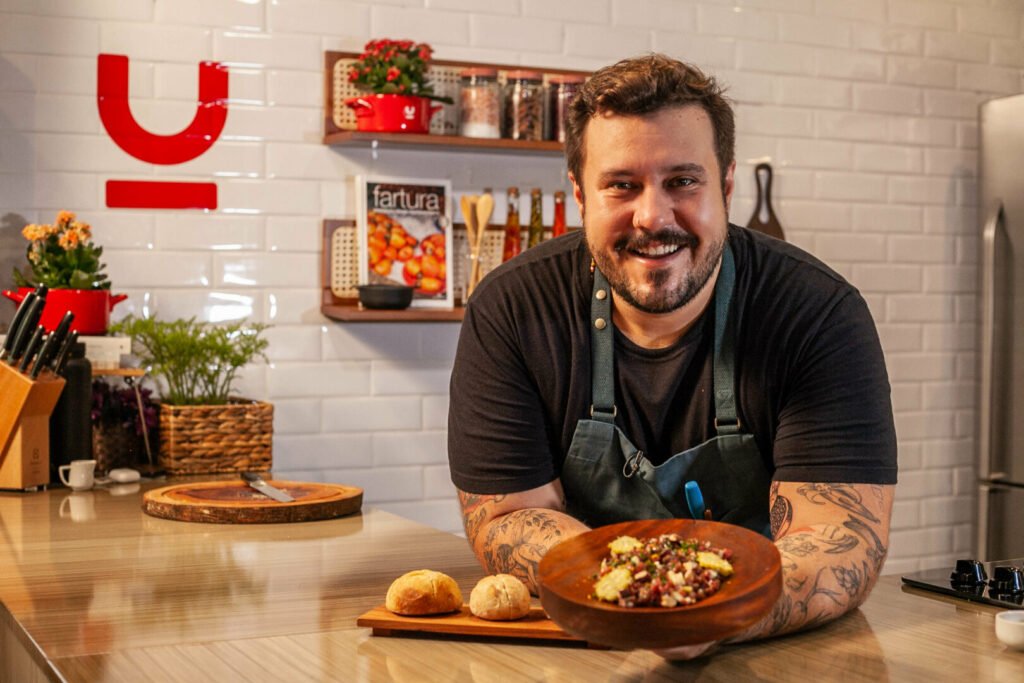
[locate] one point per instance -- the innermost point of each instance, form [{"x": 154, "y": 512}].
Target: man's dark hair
[{"x": 644, "y": 85}]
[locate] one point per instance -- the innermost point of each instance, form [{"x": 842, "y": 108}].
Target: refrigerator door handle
[
  {"x": 982, "y": 541},
  {"x": 990, "y": 234}
]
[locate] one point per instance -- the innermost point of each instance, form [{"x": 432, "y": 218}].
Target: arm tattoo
[
  {"x": 781, "y": 514},
  {"x": 843, "y": 495},
  {"x": 474, "y": 512},
  {"x": 517, "y": 541}
]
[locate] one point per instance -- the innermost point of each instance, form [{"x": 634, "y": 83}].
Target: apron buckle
[
  {"x": 615, "y": 410},
  {"x": 632, "y": 464}
]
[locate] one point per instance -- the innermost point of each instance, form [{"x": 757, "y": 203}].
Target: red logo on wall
[{"x": 194, "y": 140}]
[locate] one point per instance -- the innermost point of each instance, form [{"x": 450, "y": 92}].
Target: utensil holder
[{"x": 25, "y": 427}]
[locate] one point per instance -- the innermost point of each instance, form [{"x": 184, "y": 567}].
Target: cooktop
[{"x": 999, "y": 583}]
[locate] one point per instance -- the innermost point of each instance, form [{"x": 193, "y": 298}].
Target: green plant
[
  {"x": 198, "y": 361},
  {"x": 62, "y": 256},
  {"x": 394, "y": 67}
]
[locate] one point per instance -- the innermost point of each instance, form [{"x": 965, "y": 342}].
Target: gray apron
[{"x": 607, "y": 479}]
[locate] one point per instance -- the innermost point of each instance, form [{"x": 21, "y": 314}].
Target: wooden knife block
[{"x": 25, "y": 408}]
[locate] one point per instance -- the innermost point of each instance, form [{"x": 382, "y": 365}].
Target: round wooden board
[{"x": 235, "y": 502}]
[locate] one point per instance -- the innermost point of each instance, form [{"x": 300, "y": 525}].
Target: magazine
[{"x": 405, "y": 236}]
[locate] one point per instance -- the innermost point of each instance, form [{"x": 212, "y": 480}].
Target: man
[{"x": 599, "y": 373}]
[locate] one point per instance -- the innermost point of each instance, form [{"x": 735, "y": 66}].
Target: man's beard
[{"x": 654, "y": 296}]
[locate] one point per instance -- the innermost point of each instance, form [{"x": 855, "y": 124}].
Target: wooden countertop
[{"x": 94, "y": 590}]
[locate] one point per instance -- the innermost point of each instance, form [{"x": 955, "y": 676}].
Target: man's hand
[{"x": 511, "y": 532}]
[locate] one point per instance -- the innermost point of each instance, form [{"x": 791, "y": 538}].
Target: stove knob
[
  {"x": 1007, "y": 580},
  {"x": 968, "y": 573}
]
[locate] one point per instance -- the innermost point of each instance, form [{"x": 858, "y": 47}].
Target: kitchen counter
[{"x": 95, "y": 590}]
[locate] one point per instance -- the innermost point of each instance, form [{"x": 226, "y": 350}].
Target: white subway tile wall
[{"x": 866, "y": 109}]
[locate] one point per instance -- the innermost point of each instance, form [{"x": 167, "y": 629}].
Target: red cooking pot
[
  {"x": 393, "y": 113},
  {"x": 91, "y": 307}
]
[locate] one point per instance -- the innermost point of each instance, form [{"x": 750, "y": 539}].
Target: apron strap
[
  {"x": 602, "y": 345},
  {"x": 726, "y": 419},
  {"x": 602, "y": 354}
]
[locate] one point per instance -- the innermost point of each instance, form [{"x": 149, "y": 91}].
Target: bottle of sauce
[
  {"x": 513, "y": 237},
  {"x": 558, "y": 227},
  {"x": 535, "y": 235}
]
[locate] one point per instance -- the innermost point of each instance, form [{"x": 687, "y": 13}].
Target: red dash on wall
[{"x": 149, "y": 194}]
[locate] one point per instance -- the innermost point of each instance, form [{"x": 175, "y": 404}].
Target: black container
[
  {"x": 395, "y": 297},
  {"x": 71, "y": 423}
]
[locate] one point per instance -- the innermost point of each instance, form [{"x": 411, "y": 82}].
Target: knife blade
[
  {"x": 256, "y": 481},
  {"x": 33, "y": 346},
  {"x": 28, "y": 326},
  {"x": 65, "y": 350},
  {"x": 15, "y": 327}
]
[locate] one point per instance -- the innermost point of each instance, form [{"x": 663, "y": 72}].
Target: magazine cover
[{"x": 405, "y": 236}]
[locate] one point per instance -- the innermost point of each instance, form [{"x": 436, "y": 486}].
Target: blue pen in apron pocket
[{"x": 694, "y": 499}]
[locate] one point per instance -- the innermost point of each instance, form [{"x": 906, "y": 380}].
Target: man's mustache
[{"x": 664, "y": 236}]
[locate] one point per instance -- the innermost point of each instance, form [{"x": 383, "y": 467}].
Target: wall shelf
[
  {"x": 457, "y": 143},
  {"x": 349, "y": 311}
]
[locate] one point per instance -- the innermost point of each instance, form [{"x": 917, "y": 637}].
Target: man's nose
[{"x": 653, "y": 209}]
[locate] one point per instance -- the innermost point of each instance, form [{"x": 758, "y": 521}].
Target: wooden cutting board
[
  {"x": 234, "y": 502},
  {"x": 534, "y": 626}
]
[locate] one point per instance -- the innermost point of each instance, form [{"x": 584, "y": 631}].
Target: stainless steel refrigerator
[{"x": 1000, "y": 531}]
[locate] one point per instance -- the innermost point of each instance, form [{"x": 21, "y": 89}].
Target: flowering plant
[
  {"x": 62, "y": 256},
  {"x": 119, "y": 407},
  {"x": 394, "y": 67}
]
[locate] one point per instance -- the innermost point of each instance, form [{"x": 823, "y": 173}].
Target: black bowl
[{"x": 394, "y": 297}]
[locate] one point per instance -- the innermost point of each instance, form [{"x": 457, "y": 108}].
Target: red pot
[
  {"x": 393, "y": 113},
  {"x": 91, "y": 307}
]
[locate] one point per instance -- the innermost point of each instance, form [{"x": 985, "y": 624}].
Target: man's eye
[
  {"x": 621, "y": 185},
  {"x": 681, "y": 182}
]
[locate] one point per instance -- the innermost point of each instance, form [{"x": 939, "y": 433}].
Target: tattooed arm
[
  {"x": 511, "y": 532},
  {"x": 833, "y": 539}
]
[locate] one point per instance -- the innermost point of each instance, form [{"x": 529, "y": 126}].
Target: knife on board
[
  {"x": 256, "y": 481},
  {"x": 62, "y": 354}
]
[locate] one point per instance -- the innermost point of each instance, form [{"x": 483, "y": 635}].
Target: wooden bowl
[{"x": 567, "y": 571}]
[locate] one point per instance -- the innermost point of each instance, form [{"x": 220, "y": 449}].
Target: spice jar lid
[
  {"x": 524, "y": 75},
  {"x": 479, "y": 72},
  {"x": 566, "y": 78}
]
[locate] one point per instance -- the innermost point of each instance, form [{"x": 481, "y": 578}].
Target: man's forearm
[
  {"x": 827, "y": 569},
  {"x": 514, "y": 542}
]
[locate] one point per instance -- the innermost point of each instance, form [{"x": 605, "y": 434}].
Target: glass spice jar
[
  {"x": 562, "y": 90},
  {"x": 479, "y": 103},
  {"x": 524, "y": 105}
]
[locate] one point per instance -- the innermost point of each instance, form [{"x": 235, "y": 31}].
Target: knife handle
[
  {"x": 65, "y": 350},
  {"x": 251, "y": 477},
  {"x": 43, "y": 357},
  {"x": 33, "y": 346},
  {"x": 15, "y": 327},
  {"x": 28, "y": 324}
]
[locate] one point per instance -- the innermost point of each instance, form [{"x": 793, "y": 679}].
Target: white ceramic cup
[
  {"x": 81, "y": 477},
  {"x": 1010, "y": 628},
  {"x": 78, "y": 506}
]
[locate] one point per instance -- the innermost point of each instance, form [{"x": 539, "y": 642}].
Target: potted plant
[
  {"x": 394, "y": 74},
  {"x": 203, "y": 427},
  {"x": 63, "y": 257}
]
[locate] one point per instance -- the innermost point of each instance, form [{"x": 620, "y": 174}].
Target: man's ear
[
  {"x": 728, "y": 185},
  {"x": 577, "y": 193}
]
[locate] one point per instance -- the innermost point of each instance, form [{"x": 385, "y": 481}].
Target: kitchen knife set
[{"x": 27, "y": 348}]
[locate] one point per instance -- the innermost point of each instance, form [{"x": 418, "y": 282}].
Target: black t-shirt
[{"x": 810, "y": 376}]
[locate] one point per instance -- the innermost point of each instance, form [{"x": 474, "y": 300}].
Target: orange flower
[
  {"x": 69, "y": 240},
  {"x": 65, "y": 217},
  {"x": 84, "y": 231}
]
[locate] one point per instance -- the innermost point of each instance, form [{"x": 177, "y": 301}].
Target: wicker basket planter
[{"x": 204, "y": 439}]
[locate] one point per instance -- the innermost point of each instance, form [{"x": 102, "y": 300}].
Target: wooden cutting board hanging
[
  {"x": 235, "y": 502},
  {"x": 764, "y": 219}
]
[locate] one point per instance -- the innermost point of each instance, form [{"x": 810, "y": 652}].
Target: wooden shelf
[
  {"x": 118, "y": 372},
  {"x": 352, "y": 138},
  {"x": 352, "y": 312}
]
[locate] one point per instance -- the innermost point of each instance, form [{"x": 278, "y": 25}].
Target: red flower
[
  {"x": 393, "y": 73},
  {"x": 353, "y": 74},
  {"x": 425, "y": 53}
]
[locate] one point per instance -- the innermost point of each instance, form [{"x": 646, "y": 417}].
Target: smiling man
[{"x": 599, "y": 373}]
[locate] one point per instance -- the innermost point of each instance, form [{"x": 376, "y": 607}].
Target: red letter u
[{"x": 206, "y": 126}]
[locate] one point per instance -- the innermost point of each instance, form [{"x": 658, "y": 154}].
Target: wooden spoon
[
  {"x": 484, "y": 209},
  {"x": 468, "y": 205}
]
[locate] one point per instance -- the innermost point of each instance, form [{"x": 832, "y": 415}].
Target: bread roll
[
  {"x": 423, "y": 591},
  {"x": 502, "y": 597}
]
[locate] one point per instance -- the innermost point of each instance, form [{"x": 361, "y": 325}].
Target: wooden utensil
[
  {"x": 770, "y": 224},
  {"x": 234, "y": 502},
  {"x": 484, "y": 209},
  {"x": 468, "y": 205},
  {"x": 566, "y": 577}
]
